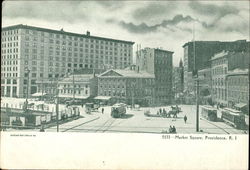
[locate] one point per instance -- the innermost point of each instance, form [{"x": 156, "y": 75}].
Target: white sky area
[{"x": 166, "y": 24}]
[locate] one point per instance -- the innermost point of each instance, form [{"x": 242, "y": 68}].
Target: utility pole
[
  {"x": 73, "y": 88},
  {"x": 27, "y": 93},
  {"x": 197, "y": 82},
  {"x": 57, "y": 107},
  {"x": 133, "y": 86}
]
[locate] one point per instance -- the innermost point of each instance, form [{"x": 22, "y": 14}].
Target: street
[{"x": 137, "y": 122}]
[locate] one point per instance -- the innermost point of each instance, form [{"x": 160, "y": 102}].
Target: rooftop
[
  {"x": 219, "y": 55},
  {"x": 78, "y": 78},
  {"x": 129, "y": 73},
  {"x": 238, "y": 72},
  {"x": 21, "y": 26},
  {"x": 211, "y": 42}
]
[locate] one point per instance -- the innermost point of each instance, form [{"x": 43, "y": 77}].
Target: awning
[
  {"x": 102, "y": 97},
  {"x": 240, "y": 105},
  {"x": 38, "y": 94},
  {"x": 71, "y": 96}
]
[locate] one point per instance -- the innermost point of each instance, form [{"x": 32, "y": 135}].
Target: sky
[{"x": 156, "y": 24}]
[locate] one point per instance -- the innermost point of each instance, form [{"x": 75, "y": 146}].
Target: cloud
[
  {"x": 212, "y": 10},
  {"x": 114, "y": 5},
  {"x": 51, "y": 10},
  {"x": 144, "y": 28},
  {"x": 153, "y": 10}
]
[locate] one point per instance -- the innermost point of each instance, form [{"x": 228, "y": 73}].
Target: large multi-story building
[
  {"x": 219, "y": 69},
  {"x": 129, "y": 85},
  {"x": 30, "y": 54},
  {"x": 203, "y": 51},
  {"x": 221, "y": 65},
  {"x": 158, "y": 62},
  {"x": 238, "y": 89}
]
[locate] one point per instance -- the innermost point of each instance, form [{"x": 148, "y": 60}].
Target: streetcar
[
  {"x": 118, "y": 110},
  {"x": 233, "y": 117},
  {"x": 209, "y": 113}
]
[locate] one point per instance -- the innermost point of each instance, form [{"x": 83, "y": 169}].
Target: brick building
[
  {"x": 204, "y": 50},
  {"x": 128, "y": 86},
  {"x": 158, "y": 62},
  {"x": 238, "y": 89}
]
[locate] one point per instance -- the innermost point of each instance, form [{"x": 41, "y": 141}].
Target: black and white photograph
[{"x": 168, "y": 68}]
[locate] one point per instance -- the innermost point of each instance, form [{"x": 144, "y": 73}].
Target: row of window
[
  {"x": 13, "y": 44},
  {"x": 76, "y": 86},
  {"x": 10, "y": 32},
  {"x": 75, "y": 38},
  {"x": 68, "y": 91},
  {"x": 8, "y": 68},
  {"x": 14, "y": 50},
  {"x": 218, "y": 62},
  {"x": 11, "y": 62},
  {"x": 219, "y": 71},
  {"x": 219, "y": 82},
  {"x": 9, "y": 74},
  {"x": 8, "y": 81},
  {"x": 238, "y": 81},
  {"x": 13, "y": 38},
  {"x": 14, "y": 56}
]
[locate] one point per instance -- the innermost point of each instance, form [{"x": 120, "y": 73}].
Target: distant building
[
  {"x": 158, "y": 62},
  {"x": 130, "y": 86},
  {"x": 238, "y": 89},
  {"x": 178, "y": 79},
  {"x": 49, "y": 86},
  {"x": 205, "y": 85},
  {"x": 204, "y": 50},
  {"x": 79, "y": 86},
  {"x": 50, "y": 54},
  {"x": 219, "y": 68},
  {"x": 221, "y": 64}
]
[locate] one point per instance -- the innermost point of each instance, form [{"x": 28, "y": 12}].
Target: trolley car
[
  {"x": 118, "y": 110},
  {"x": 209, "y": 113},
  {"x": 234, "y": 117}
]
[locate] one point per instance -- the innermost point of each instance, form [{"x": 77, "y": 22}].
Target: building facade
[
  {"x": 238, "y": 88},
  {"x": 130, "y": 86},
  {"x": 219, "y": 69},
  {"x": 158, "y": 62},
  {"x": 30, "y": 54},
  {"x": 79, "y": 86},
  {"x": 203, "y": 51}
]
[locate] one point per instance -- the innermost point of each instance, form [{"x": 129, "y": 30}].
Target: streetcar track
[
  {"x": 216, "y": 126},
  {"x": 81, "y": 124}
]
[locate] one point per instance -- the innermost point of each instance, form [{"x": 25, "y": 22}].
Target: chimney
[{"x": 88, "y": 33}]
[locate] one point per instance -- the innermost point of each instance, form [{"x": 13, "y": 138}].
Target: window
[{"x": 33, "y": 75}]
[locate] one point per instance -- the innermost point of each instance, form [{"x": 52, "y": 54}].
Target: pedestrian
[
  {"x": 185, "y": 118},
  {"x": 174, "y": 130},
  {"x": 170, "y": 129},
  {"x": 102, "y": 110},
  {"x": 42, "y": 129}
]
